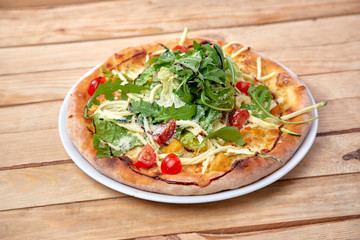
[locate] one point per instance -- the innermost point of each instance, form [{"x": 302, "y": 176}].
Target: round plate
[{"x": 85, "y": 166}]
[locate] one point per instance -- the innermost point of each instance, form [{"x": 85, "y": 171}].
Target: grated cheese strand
[
  {"x": 258, "y": 61},
  {"x": 233, "y": 42},
  {"x": 153, "y": 92},
  {"x": 246, "y": 48},
  {"x": 270, "y": 75},
  {"x": 184, "y": 35}
]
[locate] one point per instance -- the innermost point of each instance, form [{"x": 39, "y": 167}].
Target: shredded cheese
[
  {"x": 246, "y": 48},
  {"x": 258, "y": 61},
  {"x": 233, "y": 42},
  {"x": 270, "y": 75},
  {"x": 262, "y": 123},
  {"x": 184, "y": 35},
  {"x": 153, "y": 92},
  {"x": 113, "y": 109}
]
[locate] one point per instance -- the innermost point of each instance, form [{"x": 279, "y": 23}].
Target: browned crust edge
[{"x": 242, "y": 173}]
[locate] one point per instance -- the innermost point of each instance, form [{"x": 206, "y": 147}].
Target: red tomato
[
  {"x": 93, "y": 85},
  {"x": 181, "y": 48},
  {"x": 171, "y": 164},
  {"x": 239, "y": 118},
  {"x": 146, "y": 157},
  {"x": 243, "y": 87},
  {"x": 164, "y": 132}
]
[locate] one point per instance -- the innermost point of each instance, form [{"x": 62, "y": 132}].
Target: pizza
[{"x": 189, "y": 116}]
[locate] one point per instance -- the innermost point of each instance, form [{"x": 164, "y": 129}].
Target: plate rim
[{"x": 87, "y": 168}]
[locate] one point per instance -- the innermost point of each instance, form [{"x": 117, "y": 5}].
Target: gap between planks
[
  {"x": 324, "y": 31},
  {"x": 310, "y": 229},
  {"x": 67, "y": 161},
  {"x": 304, "y": 200},
  {"x": 219, "y": 16},
  {"x": 66, "y": 183}
]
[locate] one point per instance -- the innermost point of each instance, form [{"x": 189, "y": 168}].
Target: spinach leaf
[{"x": 110, "y": 133}]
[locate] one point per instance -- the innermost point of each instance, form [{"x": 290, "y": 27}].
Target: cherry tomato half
[
  {"x": 164, "y": 132},
  {"x": 181, "y": 48},
  {"x": 243, "y": 87},
  {"x": 146, "y": 157},
  {"x": 239, "y": 118},
  {"x": 93, "y": 85},
  {"x": 171, "y": 164}
]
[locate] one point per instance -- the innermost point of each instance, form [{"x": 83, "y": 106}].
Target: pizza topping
[
  {"x": 171, "y": 164},
  {"x": 174, "y": 147},
  {"x": 164, "y": 132},
  {"x": 181, "y": 48},
  {"x": 93, "y": 85},
  {"x": 221, "y": 162},
  {"x": 184, "y": 96},
  {"x": 239, "y": 118},
  {"x": 243, "y": 87},
  {"x": 146, "y": 157}
]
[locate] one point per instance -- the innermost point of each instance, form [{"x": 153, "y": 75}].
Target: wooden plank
[
  {"x": 66, "y": 183},
  {"x": 31, "y": 147},
  {"x": 346, "y": 229},
  {"x": 37, "y": 3},
  {"x": 128, "y": 217},
  {"x": 16, "y": 90},
  {"x": 93, "y": 22},
  {"x": 53, "y": 85},
  {"x": 320, "y": 49},
  {"x": 339, "y": 114},
  {"x": 53, "y": 184},
  {"x": 30, "y": 117},
  {"x": 332, "y": 86},
  {"x": 45, "y": 86}
]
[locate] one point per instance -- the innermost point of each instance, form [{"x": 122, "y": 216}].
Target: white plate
[{"x": 85, "y": 166}]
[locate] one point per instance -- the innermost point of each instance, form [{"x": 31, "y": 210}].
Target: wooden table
[{"x": 44, "y": 50}]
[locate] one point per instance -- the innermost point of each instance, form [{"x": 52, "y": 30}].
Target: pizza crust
[{"x": 243, "y": 172}]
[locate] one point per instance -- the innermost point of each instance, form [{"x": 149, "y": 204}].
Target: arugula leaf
[
  {"x": 261, "y": 98},
  {"x": 111, "y": 133},
  {"x": 183, "y": 113},
  {"x": 261, "y": 95},
  {"x": 108, "y": 88},
  {"x": 145, "y": 108},
  {"x": 229, "y": 134}
]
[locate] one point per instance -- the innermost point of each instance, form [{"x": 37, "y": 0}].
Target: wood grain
[
  {"x": 120, "y": 218},
  {"x": 346, "y": 229},
  {"x": 65, "y": 183},
  {"x": 321, "y": 49},
  {"x": 36, "y": 3},
  {"x": 116, "y": 19},
  {"x": 15, "y": 89},
  {"x": 31, "y": 147}
]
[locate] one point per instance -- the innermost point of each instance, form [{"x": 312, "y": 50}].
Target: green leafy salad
[{"x": 188, "y": 102}]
